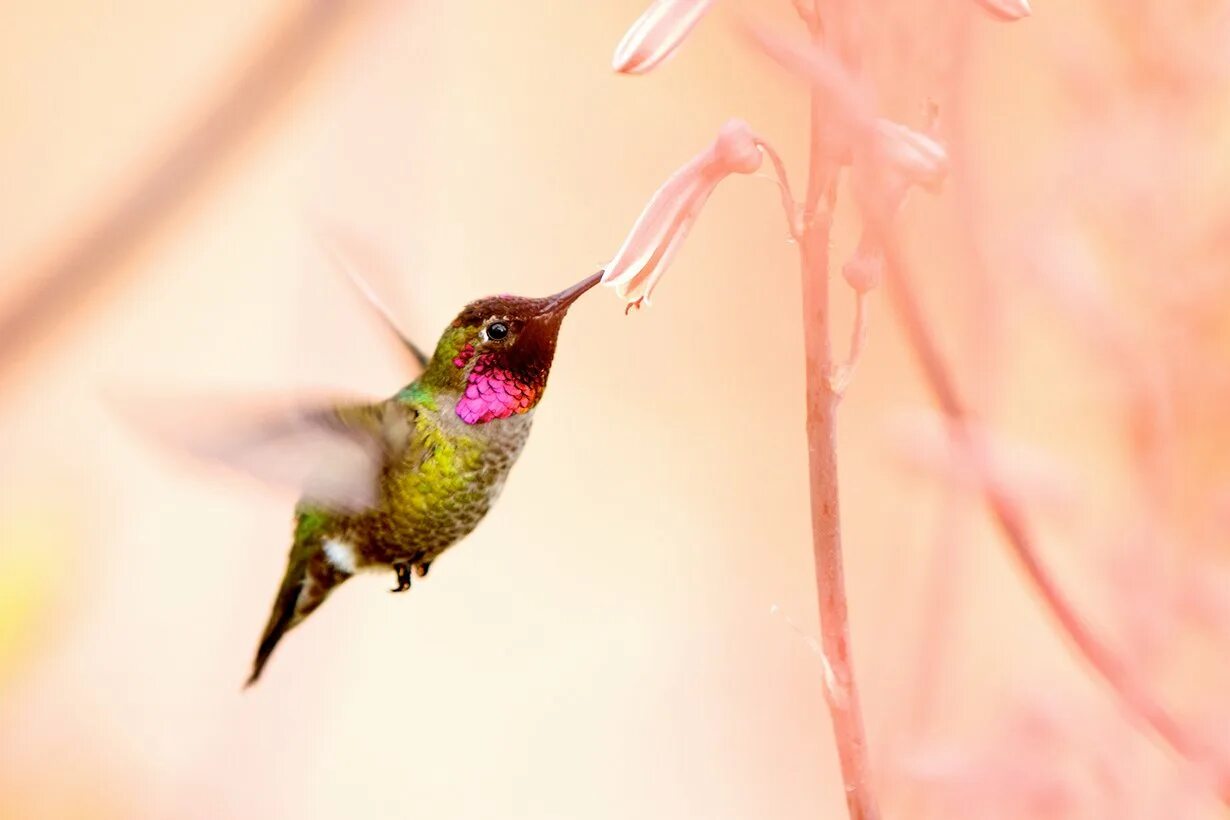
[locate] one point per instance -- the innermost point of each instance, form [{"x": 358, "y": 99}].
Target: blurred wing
[
  {"x": 341, "y": 248},
  {"x": 331, "y": 452}
]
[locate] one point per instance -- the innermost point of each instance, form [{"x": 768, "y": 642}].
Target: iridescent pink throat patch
[{"x": 494, "y": 393}]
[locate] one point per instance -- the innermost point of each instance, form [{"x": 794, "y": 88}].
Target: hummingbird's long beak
[{"x": 560, "y": 301}]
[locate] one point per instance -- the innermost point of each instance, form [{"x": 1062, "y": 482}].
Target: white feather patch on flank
[{"x": 341, "y": 555}]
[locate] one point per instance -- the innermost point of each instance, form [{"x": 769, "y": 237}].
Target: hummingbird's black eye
[{"x": 496, "y": 331}]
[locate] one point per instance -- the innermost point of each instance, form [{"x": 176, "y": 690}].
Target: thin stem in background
[
  {"x": 216, "y": 133},
  {"x": 1133, "y": 692}
]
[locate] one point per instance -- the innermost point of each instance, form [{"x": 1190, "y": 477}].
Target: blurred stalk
[
  {"x": 1133, "y": 692},
  {"x": 216, "y": 133}
]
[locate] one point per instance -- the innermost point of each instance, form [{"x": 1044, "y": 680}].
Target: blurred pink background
[{"x": 603, "y": 645}]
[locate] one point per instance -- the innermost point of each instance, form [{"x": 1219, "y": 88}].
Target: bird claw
[
  {"x": 403, "y": 577},
  {"x": 421, "y": 569}
]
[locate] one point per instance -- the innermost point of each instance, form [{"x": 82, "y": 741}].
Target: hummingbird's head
[{"x": 498, "y": 351}]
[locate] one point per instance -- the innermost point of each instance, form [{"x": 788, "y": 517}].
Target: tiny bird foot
[
  {"x": 421, "y": 569},
  {"x": 403, "y": 577}
]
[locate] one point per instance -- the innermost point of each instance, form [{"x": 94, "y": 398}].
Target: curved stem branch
[
  {"x": 840, "y": 378},
  {"x": 789, "y": 204},
  {"x": 1133, "y": 692}
]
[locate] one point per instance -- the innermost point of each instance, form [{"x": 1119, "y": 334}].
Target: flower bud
[{"x": 864, "y": 270}]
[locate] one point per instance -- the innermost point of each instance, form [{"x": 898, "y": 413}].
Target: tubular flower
[
  {"x": 919, "y": 158},
  {"x": 666, "y": 220},
  {"x": 1006, "y": 10},
  {"x": 886, "y": 165},
  {"x": 656, "y": 34}
]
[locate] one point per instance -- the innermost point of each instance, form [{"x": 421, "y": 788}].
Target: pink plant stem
[
  {"x": 1133, "y": 692},
  {"x": 841, "y": 692},
  {"x": 840, "y": 688}
]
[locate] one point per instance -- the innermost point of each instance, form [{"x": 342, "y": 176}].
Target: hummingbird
[{"x": 441, "y": 449}]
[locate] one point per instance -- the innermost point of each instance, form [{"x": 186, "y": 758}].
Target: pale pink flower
[
  {"x": 1064, "y": 264},
  {"x": 912, "y": 156},
  {"x": 1028, "y": 475},
  {"x": 918, "y": 158},
  {"x": 657, "y": 33},
  {"x": 894, "y": 159},
  {"x": 666, "y": 220},
  {"x": 1006, "y": 10}
]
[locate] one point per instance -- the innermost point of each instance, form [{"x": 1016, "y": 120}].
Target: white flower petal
[
  {"x": 1006, "y": 10},
  {"x": 656, "y": 34}
]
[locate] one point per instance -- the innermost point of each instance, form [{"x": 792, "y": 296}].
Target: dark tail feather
[
  {"x": 279, "y": 621},
  {"x": 309, "y": 579}
]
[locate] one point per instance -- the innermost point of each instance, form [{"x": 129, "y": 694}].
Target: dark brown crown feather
[{"x": 513, "y": 307}]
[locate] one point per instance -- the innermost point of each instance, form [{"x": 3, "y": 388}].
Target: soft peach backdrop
[{"x": 602, "y": 647}]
